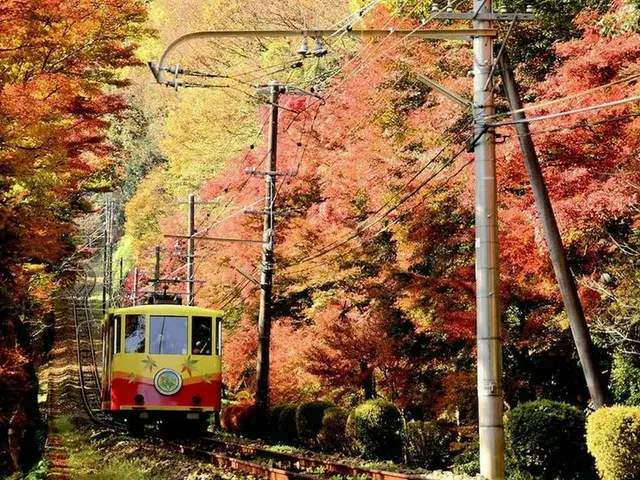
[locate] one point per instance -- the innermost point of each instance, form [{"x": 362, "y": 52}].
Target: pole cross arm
[
  {"x": 280, "y": 213},
  {"x": 435, "y": 34}
]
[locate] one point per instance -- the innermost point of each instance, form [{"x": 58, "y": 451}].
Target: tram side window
[
  {"x": 134, "y": 330},
  {"x": 117, "y": 340},
  {"x": 218, "y": 335},
  {"x": 201, "y": 335},
  {"x": 168, "y": 335}
]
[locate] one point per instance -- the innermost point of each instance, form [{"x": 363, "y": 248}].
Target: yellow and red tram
[{"x": 161, "y": 365}]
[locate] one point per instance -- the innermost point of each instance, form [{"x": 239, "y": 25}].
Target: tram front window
[
  {"x": 168, "y": 335},
  {"x": 134, "y": 333},
  {"x": 201, "y": 335}
]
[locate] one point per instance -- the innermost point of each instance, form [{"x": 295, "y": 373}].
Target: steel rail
[
  {"x": 79, "y": 303},
  {"x": 308, "y": 463}
]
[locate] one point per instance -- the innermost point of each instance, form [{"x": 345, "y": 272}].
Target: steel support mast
[
  {"x": 489, "y": 327},
  {"x": 266, "y": 278}
]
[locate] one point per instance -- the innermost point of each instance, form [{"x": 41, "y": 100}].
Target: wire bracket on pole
[{"x": 253, "y": 171}]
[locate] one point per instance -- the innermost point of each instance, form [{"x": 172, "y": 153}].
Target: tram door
[{"x": 110, "y": 343}]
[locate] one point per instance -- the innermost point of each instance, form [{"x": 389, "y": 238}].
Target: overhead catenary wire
[
  {"x": 569, "y": 112},
  {"x": 582, "y": 124},
  {"x": 548, "y": 103}
]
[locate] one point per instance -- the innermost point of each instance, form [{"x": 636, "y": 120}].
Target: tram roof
[{"x": 165, "y": 309}]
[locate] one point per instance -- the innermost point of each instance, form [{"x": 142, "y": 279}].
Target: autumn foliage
[
  {"x": 59, "y": 63},
  {"x": 375, "y": 282}
]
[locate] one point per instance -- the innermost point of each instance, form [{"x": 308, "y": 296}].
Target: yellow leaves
[
  {"x": 144, "y": 210},
  {"x": 201, "y": 134}
]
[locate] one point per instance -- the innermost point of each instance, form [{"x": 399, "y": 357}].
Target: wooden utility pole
[
  {"x": 135, "y": 286},
  {"x": 107, "y": 276},
  {"x": 577, "y": 321},
  {"x": 266, "y": 278},
  {"x": 110, "y": 235},
  {"x": 191, "y": 249}
]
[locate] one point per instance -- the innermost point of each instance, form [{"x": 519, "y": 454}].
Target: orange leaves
[{"x": 55, "y": 59}]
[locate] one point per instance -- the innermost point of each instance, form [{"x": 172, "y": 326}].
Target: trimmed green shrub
[
  {"x": 613, "y": 438},
  {"x": 468, "y": 461},
  {"x": 546, "y": 440},
  {"x": 375, "y": 428},
  {"x": 426, "y": 444},
  {"x": 309, "y": 420},
  {"x": 240, "y": 419},
  {"x": 287, "y": 429},
  {"x": 332, "y": 433},
  {"x": 625, "y": 380},
  {"x": 274, "y": 420}
]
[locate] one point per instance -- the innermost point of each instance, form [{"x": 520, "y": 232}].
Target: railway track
[
  {"x": 88, "y": 373},
  {"x": 280, "y": 465}
]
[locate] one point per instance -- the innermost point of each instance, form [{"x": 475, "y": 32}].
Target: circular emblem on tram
[{"x": 167, "y": 381}]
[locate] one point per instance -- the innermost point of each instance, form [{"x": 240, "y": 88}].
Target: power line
[
  {"x": 569, "y": 112},
  {"x": 578, "y": 125},
  {"x": 629, "y": 78}
]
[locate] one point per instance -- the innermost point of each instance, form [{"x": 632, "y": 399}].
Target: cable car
[{"x": 161, "y": 365}]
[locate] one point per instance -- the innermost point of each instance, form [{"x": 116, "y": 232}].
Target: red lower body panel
[{"x": 124, "y": 392}]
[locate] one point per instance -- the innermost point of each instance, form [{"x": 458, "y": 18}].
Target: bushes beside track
[
  {"x": 309, "y": 416},
  {"x": 240, "y": 419},
  {"x": 426, "y": 444},
  {"x": 375, "y": 428},
  {"x": 546, "y": 440},
  {"x": 331, "y": 437},
  {"x": 613, "y": 438}
]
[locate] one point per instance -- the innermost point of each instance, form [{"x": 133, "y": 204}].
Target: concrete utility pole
[
  {"x": 191, "y": 249},
  {"x": 264, "y": 319},
  {"x": 572, "y": 304},
  {"x": 489, "y": 324}
]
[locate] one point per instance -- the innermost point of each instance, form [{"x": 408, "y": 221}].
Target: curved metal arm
[{"x": 436, "y": 34}]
